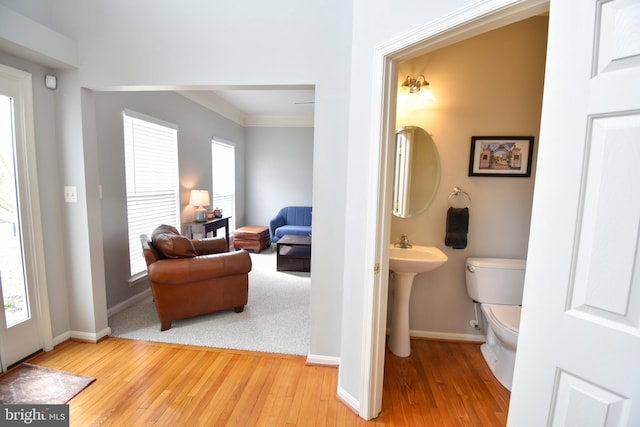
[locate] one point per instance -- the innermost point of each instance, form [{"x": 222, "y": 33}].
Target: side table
[{"x": 210, "y": 226}]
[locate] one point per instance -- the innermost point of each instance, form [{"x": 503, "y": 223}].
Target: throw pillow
[{"x": 168, "y": 241}]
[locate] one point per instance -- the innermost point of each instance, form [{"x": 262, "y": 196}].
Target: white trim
[
  {"x": 129, "y": 302},
  {"x": 30, "y": 196},
  {"x": 469, "y": 21},
  {"x": 150, "y": 119},
  {"x": 218, "y": 105},
  {"x": 348, "y": 399},
  {"x": 58, "y": 339},
  {"x": 90, "y": 337},
  {"x": 223, "y": 141},
  {"x": 81, "y": 336},
  {"x": 314, "y": 359},
  {"x": 375, "y": 301},
  {"x": 34, "y": 217},
  {"x": 476, "y": 18},
  {"x": 279, "y": 121},
  {"x": 28, "y": 39},
  {"x": 448, "y": 336},
  {"x": 445, "y": 336},
  {"x": 137, "y": 278}
]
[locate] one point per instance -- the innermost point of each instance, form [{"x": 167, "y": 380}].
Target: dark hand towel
[{"x": 457, "y": 227}]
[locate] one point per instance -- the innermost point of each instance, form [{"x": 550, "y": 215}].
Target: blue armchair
[{"x": 290, "y": 220}]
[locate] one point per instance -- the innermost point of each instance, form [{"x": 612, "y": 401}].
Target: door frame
[
  {"x": 477, "y": 18},
  {"x": 29, "y": 197}
]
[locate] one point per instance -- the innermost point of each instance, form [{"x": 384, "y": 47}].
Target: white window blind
[
  {"x": 223, "y": 167},
  {"x": 151, "y": 164}
]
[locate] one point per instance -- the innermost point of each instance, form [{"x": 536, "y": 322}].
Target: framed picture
[{"x": 508, "y": 156}]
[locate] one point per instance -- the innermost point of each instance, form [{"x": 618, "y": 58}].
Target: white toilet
[{"x": 497, "y": 284}]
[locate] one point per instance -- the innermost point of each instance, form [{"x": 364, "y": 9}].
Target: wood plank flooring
[{"x": 144, "y": 383}]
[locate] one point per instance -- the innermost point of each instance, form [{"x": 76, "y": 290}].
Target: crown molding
[{"x": 222, "y": 107}]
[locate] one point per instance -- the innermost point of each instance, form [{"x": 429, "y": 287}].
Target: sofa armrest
[
  {"x": 203, "y": 267},
  {"x": 274, "y": 224},
  {"x": 212, "y": 245}
]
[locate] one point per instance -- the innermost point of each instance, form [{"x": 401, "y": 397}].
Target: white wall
[
  {"x": 123, "y": 44},
  {"x": 378, "y": 29},
  {"x": 279, "y": 171},
  {"x": 391, "y": 21},
  {"x": 194, "y": 44}
]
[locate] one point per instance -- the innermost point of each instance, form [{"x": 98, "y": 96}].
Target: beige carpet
[{"x": 275, "y": 320}]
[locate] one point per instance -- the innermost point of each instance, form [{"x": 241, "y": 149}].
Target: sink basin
[
  {"x": 406, "y": 263},
  {"x": 416, "y": 259}
]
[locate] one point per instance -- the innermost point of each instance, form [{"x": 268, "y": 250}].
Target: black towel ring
[{"x": 457, "y": 192}]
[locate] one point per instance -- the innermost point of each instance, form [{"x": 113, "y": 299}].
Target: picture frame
[{"x": 501, "y": 156}]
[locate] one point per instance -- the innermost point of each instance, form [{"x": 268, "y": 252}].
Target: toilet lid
[{"x": 507, "y": 315}]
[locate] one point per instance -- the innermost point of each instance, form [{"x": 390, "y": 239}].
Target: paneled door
[
  {"x": 579, "y": 344},
  {"x": 20, "y": 323}
]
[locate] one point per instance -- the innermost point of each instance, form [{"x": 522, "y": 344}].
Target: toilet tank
[{"x": 495, "y": 280}]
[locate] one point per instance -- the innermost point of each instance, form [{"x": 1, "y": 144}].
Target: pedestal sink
[{"x": 406, "y": 263}]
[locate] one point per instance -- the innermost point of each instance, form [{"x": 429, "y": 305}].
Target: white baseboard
[
  {"x": 128, "y": 303},
  {"x": 347, "y": 399},
  {"x": 451, "y": 336},
  {"x": 82, "y": 336},
  {"x": 314, "y": 359},
  {"x": 61, "y": 338}
]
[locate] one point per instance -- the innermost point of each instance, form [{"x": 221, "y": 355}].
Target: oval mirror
[{"x": 416, "y": 172}]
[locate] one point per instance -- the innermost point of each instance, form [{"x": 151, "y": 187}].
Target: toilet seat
[{"x": 505, "y": 316}]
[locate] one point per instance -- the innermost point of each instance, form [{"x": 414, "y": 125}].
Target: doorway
[
  {"x": 24, "y": 327},
  {"x": 475, "y": 22}
]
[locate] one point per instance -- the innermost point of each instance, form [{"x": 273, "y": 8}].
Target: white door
[
  {"x": 578, "y": 354},
  {"x": 20, "y": 328}
]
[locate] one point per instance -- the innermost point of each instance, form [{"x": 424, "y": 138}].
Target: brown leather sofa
[{"x": 193, "y": 277}]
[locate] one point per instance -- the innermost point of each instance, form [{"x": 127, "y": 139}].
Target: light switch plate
[{"x": 70, "y": 194}]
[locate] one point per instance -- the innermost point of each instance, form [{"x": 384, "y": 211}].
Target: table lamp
[{"x": 200, "y": 198}]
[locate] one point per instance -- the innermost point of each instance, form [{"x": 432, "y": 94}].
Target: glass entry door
[
  {"x": 12, "y": 277},
  {"x": 20, "y": 333}
]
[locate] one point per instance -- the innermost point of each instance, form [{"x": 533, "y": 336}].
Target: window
[
  {"x": 151, "y": 164},
  {"x": 223, "y": 166}
]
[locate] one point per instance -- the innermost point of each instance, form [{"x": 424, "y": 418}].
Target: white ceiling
[{"x": 260, "y": 106}]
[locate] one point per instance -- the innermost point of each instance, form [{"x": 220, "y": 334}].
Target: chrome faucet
[{"x": 404, "y": 242}]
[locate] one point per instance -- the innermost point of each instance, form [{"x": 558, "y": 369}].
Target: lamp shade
[{"x": 199, "y": 198}]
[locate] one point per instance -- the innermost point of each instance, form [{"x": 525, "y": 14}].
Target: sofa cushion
[
  {"x": 297, "y": 215},
  {"x": 298, "y": 230},
  {"x": 168, "y": 241}
]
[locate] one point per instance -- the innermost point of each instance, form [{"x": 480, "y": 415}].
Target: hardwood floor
[{"x": 144, "y": 383}]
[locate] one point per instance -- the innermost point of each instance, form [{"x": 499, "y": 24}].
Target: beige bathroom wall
[{"x": 490, "y": 85}]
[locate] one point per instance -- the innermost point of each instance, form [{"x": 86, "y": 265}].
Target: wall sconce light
[
  {"x": 414, "y": 84},
  {"x": 200, "y": 198}
]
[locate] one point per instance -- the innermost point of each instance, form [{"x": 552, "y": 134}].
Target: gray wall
[
  {"x": 196, "y": 126},
  {"x": 278, "y": 170},
  {"x": 262, "y": 183}
]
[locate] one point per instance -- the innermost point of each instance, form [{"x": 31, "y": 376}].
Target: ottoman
[{"x": 254, "y": 237}]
